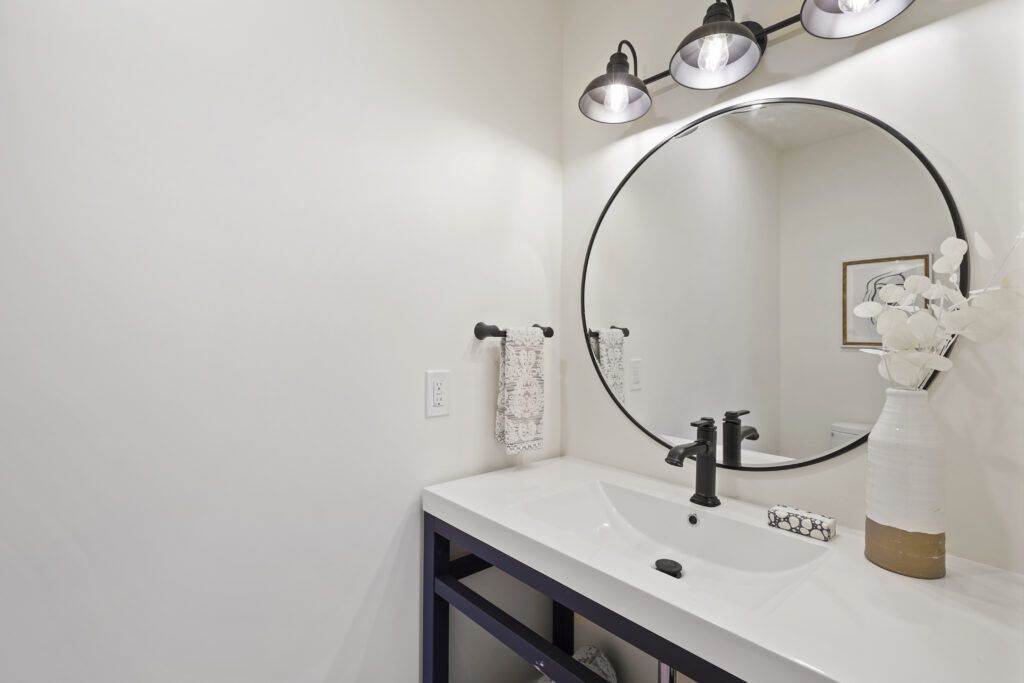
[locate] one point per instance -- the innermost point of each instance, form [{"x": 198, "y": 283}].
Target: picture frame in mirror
[{"x": 863, "y": 281}]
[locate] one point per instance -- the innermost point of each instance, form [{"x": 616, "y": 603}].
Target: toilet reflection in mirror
[{"x": 724, "y": 253}]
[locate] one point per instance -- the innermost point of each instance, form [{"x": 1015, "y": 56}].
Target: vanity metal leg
[
  {"x": 562, "y": 635},
  {"x": 436, "y": 562},
  {"x": 665, "y": 673}
]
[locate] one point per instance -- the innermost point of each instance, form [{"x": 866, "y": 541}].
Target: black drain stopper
[{"x": 670, "y": 567}]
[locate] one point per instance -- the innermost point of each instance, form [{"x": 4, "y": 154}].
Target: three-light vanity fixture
[{"x": 723, "y": 51}]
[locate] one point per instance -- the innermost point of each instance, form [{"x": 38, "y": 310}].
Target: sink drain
[{"x": 670, "y": 567}]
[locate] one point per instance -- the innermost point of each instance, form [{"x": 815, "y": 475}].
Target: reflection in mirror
[{"x": 725, "y": 255}]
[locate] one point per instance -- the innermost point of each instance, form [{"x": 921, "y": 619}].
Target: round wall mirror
[{"x": 722, "y": 275}]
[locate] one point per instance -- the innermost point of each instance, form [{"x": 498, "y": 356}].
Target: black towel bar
[
  {"x": 483, "y": 331},
  {"x": 595, "y": 334}
]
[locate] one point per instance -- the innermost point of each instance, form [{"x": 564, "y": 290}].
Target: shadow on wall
[
  {"x": 387, "y": 612},
  {"x": 370, "y": 625},
  {"x": 919, "y": 15}
]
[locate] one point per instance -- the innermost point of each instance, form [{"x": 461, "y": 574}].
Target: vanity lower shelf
[{"x": 587, "y": 537}]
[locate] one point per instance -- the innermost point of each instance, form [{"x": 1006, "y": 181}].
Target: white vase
[{"x": 905, "y": 530}]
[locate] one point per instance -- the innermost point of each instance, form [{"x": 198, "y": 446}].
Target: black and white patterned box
[{"x": 802, "y": 522}]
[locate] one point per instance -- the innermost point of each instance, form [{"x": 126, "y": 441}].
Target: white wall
[
  {"x": 948, "y": 75},
  {"x": 693, "y": 300},
  {"x": 858, "y": 196},
  {"x": 235, "y": 234}
]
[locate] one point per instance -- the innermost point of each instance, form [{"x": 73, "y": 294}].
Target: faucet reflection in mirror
[{"x": 919, "y": 322}]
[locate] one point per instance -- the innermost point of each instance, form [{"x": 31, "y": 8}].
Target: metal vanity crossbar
[{"x": 442, "y": 587}]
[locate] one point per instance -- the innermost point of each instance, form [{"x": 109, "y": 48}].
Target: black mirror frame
[{"x": 954, "y": 213}]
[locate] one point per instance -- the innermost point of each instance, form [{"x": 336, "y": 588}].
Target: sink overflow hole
[{"x": 693, "y": 520}]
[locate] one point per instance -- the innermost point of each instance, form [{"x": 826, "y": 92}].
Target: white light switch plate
[
  {"x": 437, "y": 392},
  {"x": 634, "y": 374}
]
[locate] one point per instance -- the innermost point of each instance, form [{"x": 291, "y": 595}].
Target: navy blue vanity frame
[{"x": 443, "y": 588}]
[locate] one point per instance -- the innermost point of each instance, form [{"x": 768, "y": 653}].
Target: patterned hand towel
[
  {"x": 608, "y": 349},
  {"x": 519, "y": 424}
]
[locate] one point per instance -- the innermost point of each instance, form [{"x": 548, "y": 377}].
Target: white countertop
[{"x": 841, "y": 619}]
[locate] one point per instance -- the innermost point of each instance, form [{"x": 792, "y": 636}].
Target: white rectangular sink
[
  {"x": 764, "y": 604},
  {"x": 747, "y": 564},
  {"x": 649, "y": 528}
]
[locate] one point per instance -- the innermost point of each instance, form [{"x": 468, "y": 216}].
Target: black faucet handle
[
  {"x": 735, "y": 415},
  {"x": 706, "y": 430}
]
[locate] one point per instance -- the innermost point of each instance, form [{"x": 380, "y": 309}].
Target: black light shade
[
  {"x": 719, "y": 53},
  {"x": 616, "y": 97},
  {"x": 845, "y": 18}
]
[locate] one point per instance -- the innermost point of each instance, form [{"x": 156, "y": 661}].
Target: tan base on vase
[{"x": 911, "y": 553}]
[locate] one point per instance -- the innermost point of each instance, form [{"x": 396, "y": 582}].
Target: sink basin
[{"x": 648, "y": 527}]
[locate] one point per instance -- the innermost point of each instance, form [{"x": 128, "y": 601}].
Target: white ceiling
[{"x": 790, "y": 126}]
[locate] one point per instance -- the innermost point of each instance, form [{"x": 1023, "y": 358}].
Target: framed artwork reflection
[{"x": 863, "y": 280}]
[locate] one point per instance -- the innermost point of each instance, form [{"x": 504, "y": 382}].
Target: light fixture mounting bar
[
  {"x": 795, "y": 19},
  {"x": 657, "y": 77}
]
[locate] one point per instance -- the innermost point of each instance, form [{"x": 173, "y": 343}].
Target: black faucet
[
  {"x": 704, "y": 450},
  {"x": 733, "y": 434}
]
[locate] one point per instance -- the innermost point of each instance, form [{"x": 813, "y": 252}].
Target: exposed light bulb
[
  {"x": 714, "y": 52},
  {"x": 855, "y": 6},
  {"x": 616, "y": 98}
]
